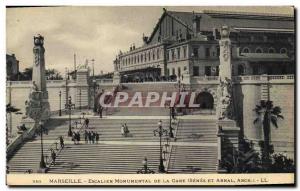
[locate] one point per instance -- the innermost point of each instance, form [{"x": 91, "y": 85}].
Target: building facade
[
  {"x": 12, "y": 67},
  {"x": 189, "y": 42}
]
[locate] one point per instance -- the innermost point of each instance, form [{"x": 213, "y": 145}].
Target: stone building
[{"x": 188, "y": 42}]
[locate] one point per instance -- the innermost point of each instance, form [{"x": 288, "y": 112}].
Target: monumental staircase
[{"x": 194, "y": 149}]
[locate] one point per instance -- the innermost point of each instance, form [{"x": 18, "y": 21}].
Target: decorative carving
[
  {"x": 226, "y": 48},
  {"x": 34, "y": 86},
  {"x": 225, "y": 32},
  {"x": 38, "y": 40},
  {"x": 225, "y": 104}
]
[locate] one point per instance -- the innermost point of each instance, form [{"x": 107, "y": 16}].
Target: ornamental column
[
  {"x": 38, "y": 107},
  {"x": 227, "y": 129}
]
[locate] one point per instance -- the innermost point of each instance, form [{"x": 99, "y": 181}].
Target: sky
[{"x": 89, "y": 32}]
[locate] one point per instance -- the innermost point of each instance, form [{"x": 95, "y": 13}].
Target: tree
[
  {"x": 53, "y": 74},
  {"x": 267, "y": 114}
]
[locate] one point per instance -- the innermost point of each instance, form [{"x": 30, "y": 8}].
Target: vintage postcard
[{"x": 150, "y": 96}]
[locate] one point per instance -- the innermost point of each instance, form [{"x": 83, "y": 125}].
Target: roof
[{"x": 216, "y": 19}]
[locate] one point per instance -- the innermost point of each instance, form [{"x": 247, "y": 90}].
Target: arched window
[
  {"x": 246, "y": 50},
  {"x": 283, "y": 51},
  {"x": 157, "y": 53},
  {"x": 271, "y": 50},
  {"x": 258, "y": 50}
]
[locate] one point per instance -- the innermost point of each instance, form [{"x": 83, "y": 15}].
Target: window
[
  {"x": 283, "y": 51},
  {"x": 138, "y": 58},
  {"x": 178, "y": 53},
  {"x": 240, "y": 70},
  {"x": 173, "y": 54},
  {"x": 173, "y": 71},
  {"x": 207, "y": 53},
  {"x": 246, "y": 50},
  {"x": 168, "y": 55},
  {"x": 258, "y": 50},
  {"x": 195, "y": 70},
  {"x": 157, "y": 53},
  {"x": 141, "y": 57},
  {"x": 145, "y": 57},
  {"x": 184, "y": 52},
  {"x": 179, "y": 71},
  {"x": 195, "y": 52},
  {"x": 168, "y": 72},
  {"x": 208, "y": 70},
  {"x": 218, "y": 51},
  {"x": 153, "y": 55},
  {"x": 149, "y": 57},
  {"x": 184, "y": 68},
  {"x": 271, "y": 50}
]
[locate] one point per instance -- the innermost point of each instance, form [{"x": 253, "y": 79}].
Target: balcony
[{"x": 257, "y": 79}]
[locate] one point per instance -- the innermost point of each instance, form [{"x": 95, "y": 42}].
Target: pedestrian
[
  {"x": 126, "y": 130},
  {"x": 97, "y": 137},
  {"x": 100, "y": 109},
  {"x": 53, "y": 156},
  {"x": 173, "y": 112},
  {"x": 122, "y": 130},
  {"x": 93, "y": 137},
  {"x": 61, "y": 140},
  {"x": 90, "y": 137},
  {"x": 78, "y": 137},
  {"x": 86, "y": 136},
  {"x": 87, "y": 122},
  {"x": 74, "y": 137}
]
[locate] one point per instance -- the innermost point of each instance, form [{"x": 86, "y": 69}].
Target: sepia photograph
[{"x": 150, "y": 95}]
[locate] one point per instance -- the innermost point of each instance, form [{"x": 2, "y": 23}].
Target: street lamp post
[
  {"x": 94, "y": 84},
  {"x": 160, "y": 132},
  {"x": 69, "y": 106},
  {"x": 80, "y": 99},
  {"x": 171, "y": 135},
  {"x": 59, "y": 103},
  {"x": 42, "y": 162}
]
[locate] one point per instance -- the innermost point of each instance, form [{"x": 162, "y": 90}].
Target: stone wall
[{"x": 281, "y": 91}]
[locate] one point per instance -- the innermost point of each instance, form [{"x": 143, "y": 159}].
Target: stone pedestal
[
  {"x": 229, "y": 131},
  {"x": 116, "y": 78}
]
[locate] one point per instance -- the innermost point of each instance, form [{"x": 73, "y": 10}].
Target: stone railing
[
  {"x": 104, "y": 81},
  {"x": 19, "y": 140},
  {"x": 264, "y": 78},
  {"x": 205, "y": 79}
]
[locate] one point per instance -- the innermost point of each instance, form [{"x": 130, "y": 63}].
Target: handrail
[{"x": 172, "y": 146}]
